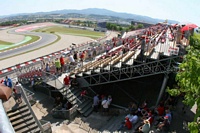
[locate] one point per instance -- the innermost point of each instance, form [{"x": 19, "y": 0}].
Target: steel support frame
[{"x": 163, "y": 66}]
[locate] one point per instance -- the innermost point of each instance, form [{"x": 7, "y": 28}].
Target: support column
[{"x": 166, "y": 77}]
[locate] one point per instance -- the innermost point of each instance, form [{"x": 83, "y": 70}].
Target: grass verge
[
  {"x": 71, "y": 31},
  {"x": 5, "y": 43},
  {"x": 33, "y": 39}
]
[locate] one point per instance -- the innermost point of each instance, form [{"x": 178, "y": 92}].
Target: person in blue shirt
[{"x": 8, "y": 82}]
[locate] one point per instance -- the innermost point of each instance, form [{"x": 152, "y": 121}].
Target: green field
[
  {"x": 28, "y": 39},
  {"x": 5, "y": 43},
  {"x": 72, "y": 31}
]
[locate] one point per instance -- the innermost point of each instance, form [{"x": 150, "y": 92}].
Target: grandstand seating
[{"x": 113, "y": 57}]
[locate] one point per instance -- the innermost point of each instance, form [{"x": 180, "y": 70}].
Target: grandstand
[{"x": 139, "y": 55}]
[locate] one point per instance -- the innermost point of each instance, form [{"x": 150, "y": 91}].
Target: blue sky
[{"x": 180, "y": 10}]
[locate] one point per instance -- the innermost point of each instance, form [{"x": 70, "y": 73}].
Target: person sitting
[
  {"x": 57, "y": 100},
  {"x": 145, "y": 128},
  {"x": 134, "y": 119},
  {"x": 75, "y": 83},
  {"x": 160, "y": 110},
  {"x": 164, "y": 126},
  {"x": 127, "y": 125},
  {"x": 8, "y": 82},
  {"x": 132, "y": 107}
]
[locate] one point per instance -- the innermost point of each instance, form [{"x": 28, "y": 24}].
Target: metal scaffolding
[{"x": 163, "y": 66}]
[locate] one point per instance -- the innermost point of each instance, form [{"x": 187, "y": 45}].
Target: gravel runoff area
[
  {"x": 64, "y": 42},
  {"x": 13, "y": 38}
]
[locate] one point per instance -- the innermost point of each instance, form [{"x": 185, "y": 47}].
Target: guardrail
[{"x": 59, "y": 113}]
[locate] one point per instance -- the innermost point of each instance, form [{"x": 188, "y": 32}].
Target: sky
[{"x": 180, "y": 10}]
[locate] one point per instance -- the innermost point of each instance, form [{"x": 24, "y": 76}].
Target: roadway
[{"x": 44, "y": 40}]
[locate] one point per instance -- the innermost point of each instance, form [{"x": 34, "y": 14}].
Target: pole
[{"x": 162, "y": 89}]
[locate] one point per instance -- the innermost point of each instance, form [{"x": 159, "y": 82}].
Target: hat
[
  {"x": 146, "y": 121},
  {"x": 166, "y": 117}
]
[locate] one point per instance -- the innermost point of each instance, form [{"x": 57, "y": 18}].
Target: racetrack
[
  {"x": 64, "y": 42},
  {"x": 45, "y": 39}
]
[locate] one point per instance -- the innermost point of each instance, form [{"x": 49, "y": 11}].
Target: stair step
[
  {"x": 72, "y": 98},
  {"x": 83, "y": 104},
  {"x": 34, "y": 129},
  {"x": 13, "y": 110},
  {"x": 83, "y": 110},
  {"x": 18, "y": 113},
  {"x": 19, "y": 123},
  {"x": 20, "y": 117},
  {"x": 88, "y": 112},
  {"x": 26, "y": 125}
]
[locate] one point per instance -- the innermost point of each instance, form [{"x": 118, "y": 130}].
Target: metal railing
[
  {"x": 60, "y": 113},
  {"x": 30, "y": 109},
  {"x": 55, "y": 82}
]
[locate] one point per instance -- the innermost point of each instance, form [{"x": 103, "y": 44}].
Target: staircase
[{"x": 22, "y": 120}]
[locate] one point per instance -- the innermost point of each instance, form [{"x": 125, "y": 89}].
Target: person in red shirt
[
  {"x": 83, "y": 93},
  {"x": 62, "y": 62},
  {"x": 82, "y": 57},
  {"x": 160, "y": 110},
  {"x": 66, "y": 80},
  {"x": 127, "y": 125}
]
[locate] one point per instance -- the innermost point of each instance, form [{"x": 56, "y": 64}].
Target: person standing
[
  {"x": 82, "y": 57},
  {"x": 58, "y": 65},
  {"x": 18, "y": 91},
  {"x": 66, "y": 81},
  {"x": 105, "y": 104},
  {"x": 62, "y": 62},
  {"x": 96, "y": 102},
  {"x": 33, "y": 84}
]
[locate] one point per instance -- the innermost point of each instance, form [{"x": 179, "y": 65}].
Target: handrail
[
  {"x": 56, "y": 79},
  {"x": 74, "y": 95},
  {"x": 5, "y": 125},
  {"x": 30, "y": 108}
]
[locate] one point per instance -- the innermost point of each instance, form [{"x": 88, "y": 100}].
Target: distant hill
[{"x": 105, "y": 12}]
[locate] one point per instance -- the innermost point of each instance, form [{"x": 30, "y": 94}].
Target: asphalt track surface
[{"x": 44, "y": 40}]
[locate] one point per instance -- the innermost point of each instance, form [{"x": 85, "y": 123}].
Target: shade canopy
[
  {"x": 188, "y": 27},
  {"x": 5, "y": 92}
]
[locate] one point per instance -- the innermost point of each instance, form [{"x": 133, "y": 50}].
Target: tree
[
  {"x": 139, "y": 26},
  {"x": 189, "y": 80}
]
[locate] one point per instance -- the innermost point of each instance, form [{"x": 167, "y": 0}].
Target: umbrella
[
  {"x": 189, "y": 27},
  {"x": 5, "y": 92}
]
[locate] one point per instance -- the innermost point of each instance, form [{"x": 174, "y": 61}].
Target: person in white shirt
[
  {"x": 18, "y": 91},
  {"x": 134, "y": 119},
  {"x": 105, "y": 104},
  {"x": 71, "y": 58}
]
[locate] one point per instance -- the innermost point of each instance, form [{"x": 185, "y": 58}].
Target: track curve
[{"x": 44, "y": 40}]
